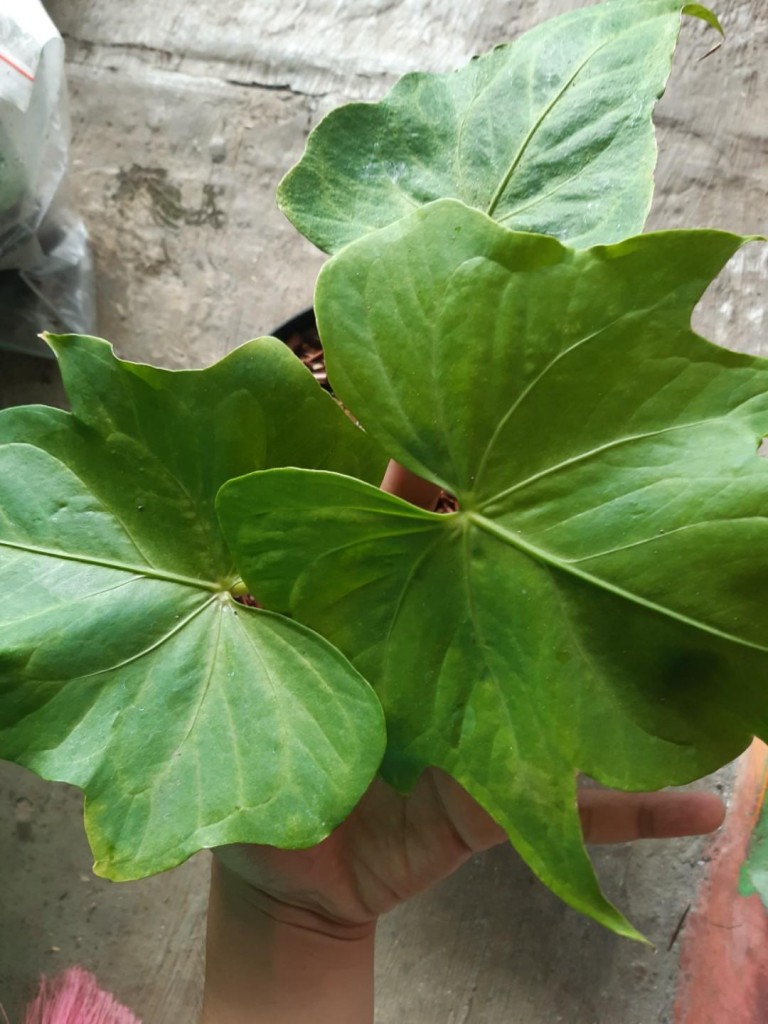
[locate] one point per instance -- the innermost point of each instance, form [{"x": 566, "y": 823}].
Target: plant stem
[{"x": 402, "y": 482}]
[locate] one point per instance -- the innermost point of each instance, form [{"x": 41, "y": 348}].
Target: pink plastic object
[{"x": 74, "y": 997}]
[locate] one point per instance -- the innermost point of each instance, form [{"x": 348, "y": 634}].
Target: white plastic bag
[{"x": 41, "y": 240}]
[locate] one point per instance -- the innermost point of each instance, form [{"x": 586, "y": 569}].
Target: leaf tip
[
  {"x": 612, "y": 918},
  {"x": 628, "y": 931},
  {"x": 49, "y": 339},
  {"x": 56, "y": 342},
  {"x": 708, "y": 16}
]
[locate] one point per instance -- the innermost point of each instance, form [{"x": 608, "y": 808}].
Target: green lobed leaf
[
  {"x": 754, "y": 871},
  {"x": 595, "y": 605},
  {"x": 551, "y": 133},
  {"x": 126, "y": 667}
]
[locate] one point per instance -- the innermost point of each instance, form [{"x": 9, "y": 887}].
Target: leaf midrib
[
  {"x": 150, "y": 572},
  {"x": 560, "y": 356},
  {"x": 570, "y": 568},
  {"x": 593, "y": 453},
  {"x": 517, "y": 159}
]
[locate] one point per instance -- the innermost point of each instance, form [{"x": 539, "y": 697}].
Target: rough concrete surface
[
  {"x": 182, "y": 132},
  {"x": 184, "y": 119}
]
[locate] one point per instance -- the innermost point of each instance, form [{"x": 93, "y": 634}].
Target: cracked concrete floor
[{"x": 184, "y": 119}]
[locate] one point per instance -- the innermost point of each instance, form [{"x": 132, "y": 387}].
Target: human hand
[
  {"x": 291, "y": 931},
  {"x": 290, "y": 936},
  {"x": 392, "y": 848}
]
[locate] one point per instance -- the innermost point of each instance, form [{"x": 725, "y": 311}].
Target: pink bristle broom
[{"x": 74, "y": 997}]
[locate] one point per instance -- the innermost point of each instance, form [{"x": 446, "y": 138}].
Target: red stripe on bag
[{"x": 16, "y": 67}]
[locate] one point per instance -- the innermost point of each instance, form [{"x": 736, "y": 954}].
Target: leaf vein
[
  {"x": 498, "y": 195},
  {"x": 547, "y": 558},
  {"x": 150, "y": 572}
]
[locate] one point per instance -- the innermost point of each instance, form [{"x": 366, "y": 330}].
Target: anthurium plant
[{"x": 215, "y": 623}]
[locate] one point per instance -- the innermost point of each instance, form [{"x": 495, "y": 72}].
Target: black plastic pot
[{"x": 300, "y": 335}]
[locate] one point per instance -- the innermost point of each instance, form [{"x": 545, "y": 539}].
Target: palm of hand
[
  {"x": 389, "y": 849},
  {"x": 393, "y": 847}
]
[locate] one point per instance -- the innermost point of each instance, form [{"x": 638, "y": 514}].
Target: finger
[
  {"x": 402, "y": 482},
  {"x": 611, "y": 817},
  {"x": 469, "y": 821}
]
